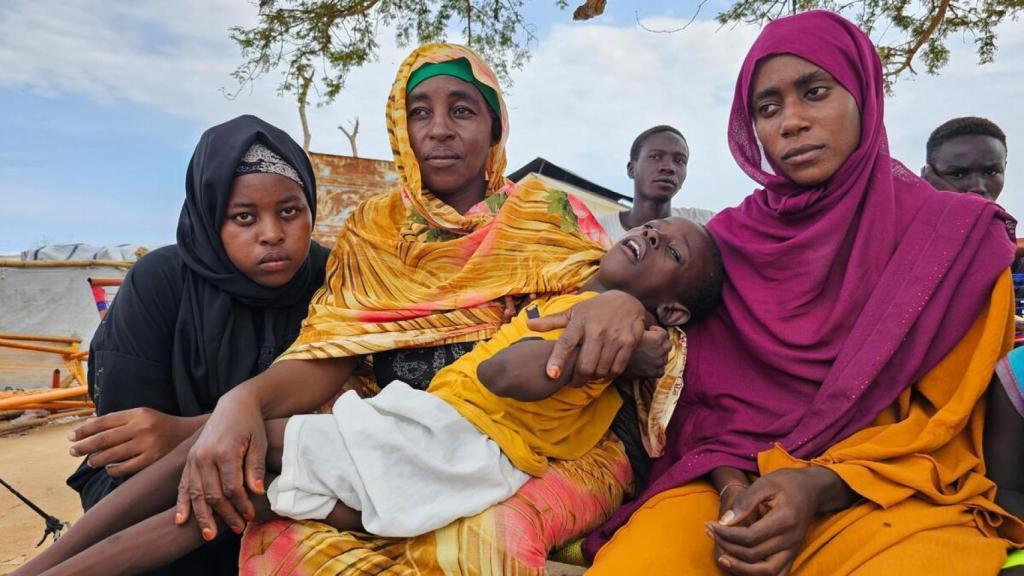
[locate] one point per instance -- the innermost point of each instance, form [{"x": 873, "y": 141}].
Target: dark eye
[
  {"x": 680, "y": 160},
  {"x": 768, "y": 110},
  {"x": 418, "y": 111},
  {"x": 817, "y": 92},
  {"x": 463, "y": 111},
  {"x": 243, "y": 218},
  {"x": 655, "y": 156},
  {"x": 672, "y": 251},
  {"x": 289, "y": 211},
  {"x": 994, "y": 172},
  {"x": 956, "y": 175}
]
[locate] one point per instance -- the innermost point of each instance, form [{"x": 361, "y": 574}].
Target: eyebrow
[
  {"x": 454, "y": 94},
  {"x": 965, "y": 168},
  {"x": 418, "y": 97},
  {"x": 803, "y": 80},
  {"x": 287, "y": 199},
  {"x": 660, "y": 151},
  {"x": 463, "y": 95}
]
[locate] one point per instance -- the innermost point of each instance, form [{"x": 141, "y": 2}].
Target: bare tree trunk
[
  {"x": 303, "y": 101},
  {"x": 469, "y": 23},
  {"x": 352, "y": 137}
]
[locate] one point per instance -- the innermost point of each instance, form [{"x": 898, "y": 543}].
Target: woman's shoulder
[
  {"x": 157, "y": 274},
  {"x": 164, "y": 261}
]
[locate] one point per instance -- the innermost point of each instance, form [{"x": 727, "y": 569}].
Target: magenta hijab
[{"x": 837, "y": 297}]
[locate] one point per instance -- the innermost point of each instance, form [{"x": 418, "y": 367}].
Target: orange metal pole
[
  {"x": 39, "y": 338},
  {"x": 22, "y": 399},
  {"x": 58, "y": 405},
  {"x": 34, "y": 347}
]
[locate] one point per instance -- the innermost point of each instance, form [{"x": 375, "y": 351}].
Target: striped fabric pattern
[{"x": 409, "y": 271}]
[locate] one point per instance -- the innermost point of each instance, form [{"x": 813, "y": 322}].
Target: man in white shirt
[{"x": 657, "y": 166}]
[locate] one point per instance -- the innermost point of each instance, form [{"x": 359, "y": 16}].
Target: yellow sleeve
[{"x": 548, "y": 307}]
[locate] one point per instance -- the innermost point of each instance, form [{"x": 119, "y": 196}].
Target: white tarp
[
  {"x": 80, "y": 251},
  {"x": 46, "y": 301}
]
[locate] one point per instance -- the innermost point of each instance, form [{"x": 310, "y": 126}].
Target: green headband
[{"x": 459, "y": 68}]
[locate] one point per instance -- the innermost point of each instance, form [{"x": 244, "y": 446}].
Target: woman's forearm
[{"x": 294, "y": 386}]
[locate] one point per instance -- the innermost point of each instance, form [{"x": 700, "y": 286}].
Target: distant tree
[
  {"x": 351, "y": 135},
  {"x": 906, "y": 32},
  {"x": 318, "y": 42}
]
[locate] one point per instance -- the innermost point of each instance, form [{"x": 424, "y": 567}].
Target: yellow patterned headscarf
[{"x": 410, "y": 271}]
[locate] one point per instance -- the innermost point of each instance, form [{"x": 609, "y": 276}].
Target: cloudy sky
[{"x": 103, "y": 103}]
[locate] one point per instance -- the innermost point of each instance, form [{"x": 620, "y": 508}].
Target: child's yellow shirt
[{"x": 564, "y": 425}]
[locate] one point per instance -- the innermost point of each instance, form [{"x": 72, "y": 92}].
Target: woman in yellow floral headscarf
[{"x": 416, "y": 276}]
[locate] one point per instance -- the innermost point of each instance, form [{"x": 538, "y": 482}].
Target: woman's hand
[
  {"x": 228, "y": 457},
  {"x": 605, "y": 329},
  {"x": 727, "y": 498},
  {"x": 763, "y": 530},
  {"x": 127, "y": 441},
  {"x": 651, "y": 354}
]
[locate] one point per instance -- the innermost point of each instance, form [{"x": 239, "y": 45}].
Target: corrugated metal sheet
[{"x": 342, "y": 183}]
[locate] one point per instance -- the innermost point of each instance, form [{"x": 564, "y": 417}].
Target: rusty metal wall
[{"x": 342, "y": 183}]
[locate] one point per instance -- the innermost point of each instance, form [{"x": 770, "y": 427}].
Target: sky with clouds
[{"x": 103, "y": 103}]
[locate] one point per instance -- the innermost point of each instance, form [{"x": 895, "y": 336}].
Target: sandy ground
[{"x": 36, "y": 465}]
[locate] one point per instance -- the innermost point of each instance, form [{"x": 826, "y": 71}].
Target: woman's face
[
  {"x": 807, "y": 123},
  {"x": 450, "y": 131},
  {"x": 266, "y": 228}
]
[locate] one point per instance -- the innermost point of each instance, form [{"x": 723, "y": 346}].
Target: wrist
[
  {"x": 187, "y": 425},
  {"x": 241, "y": 396},
  {"x": 829, "y": 491},
  {"x": 725, "y": 476}
]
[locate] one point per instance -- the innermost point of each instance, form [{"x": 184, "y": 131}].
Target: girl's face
[
  {"x": 807, "y": 123},
  {"x": 266, "y": 229}
]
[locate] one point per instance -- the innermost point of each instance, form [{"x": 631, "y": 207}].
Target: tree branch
[
  {"x": 352, "y": 137},
  {"x": 922, "y": 39},
  {"x": 636, "y": 14},
  {"x": 338, "y": 13}
]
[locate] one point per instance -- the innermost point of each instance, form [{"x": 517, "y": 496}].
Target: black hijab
[{"x": 216, "y": 344}]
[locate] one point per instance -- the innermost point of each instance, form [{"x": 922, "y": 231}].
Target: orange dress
[{"x": 927, "y": 507}]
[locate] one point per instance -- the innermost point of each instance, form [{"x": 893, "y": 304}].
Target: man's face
[
  {"x": 660, "y": 168},
  {"x": 972, "y": 163}
]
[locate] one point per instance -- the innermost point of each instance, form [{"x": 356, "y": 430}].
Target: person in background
[
  {"x": 967, "y": 155},
  {"x": 657, "y": 166}
]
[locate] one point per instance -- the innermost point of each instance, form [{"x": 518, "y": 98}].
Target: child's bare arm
[
  {"x": 518, "y": 371},
  {"x": 148, "y": 495},
  {"x": 150, "y": 544}
]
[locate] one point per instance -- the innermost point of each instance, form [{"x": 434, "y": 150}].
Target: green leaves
[
  {"x": 906, "y": 33},
  {"x": 318, "y": 42}
]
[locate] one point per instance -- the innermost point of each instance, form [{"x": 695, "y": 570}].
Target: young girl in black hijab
[{"x": 196, "y": 318}]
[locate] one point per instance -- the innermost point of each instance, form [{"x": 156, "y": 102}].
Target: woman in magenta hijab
[{"x": 833, "y": 411}]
